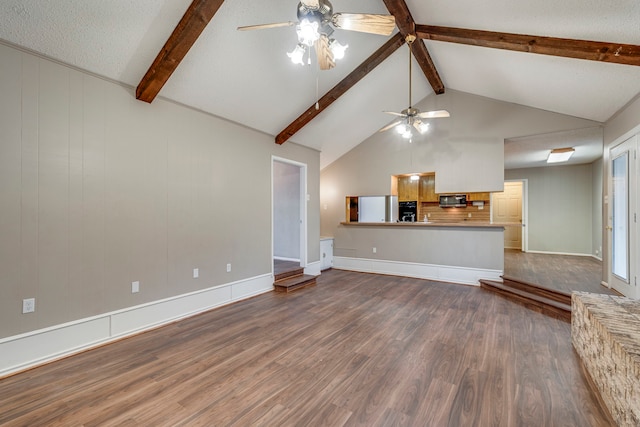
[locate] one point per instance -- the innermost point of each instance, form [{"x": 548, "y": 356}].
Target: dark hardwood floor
[
  {"x": 561, "y": 272},
  {"x": 357, "y": 349}
]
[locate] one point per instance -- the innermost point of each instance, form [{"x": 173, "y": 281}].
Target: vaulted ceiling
[{"x": 247, "y": 78}]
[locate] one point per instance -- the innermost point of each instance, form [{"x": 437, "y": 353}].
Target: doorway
[
  {"x": 289, "y": 214},
  {"x": 507, "y": 207},
  {"x": 622, "y": 218}
]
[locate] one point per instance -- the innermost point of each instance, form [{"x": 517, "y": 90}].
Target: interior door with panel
[
  {"x": 507, "y": 209},
  {"x": 622, "y": 218}
]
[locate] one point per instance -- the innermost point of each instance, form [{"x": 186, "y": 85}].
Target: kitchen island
[{"x": 459, "y": 252}]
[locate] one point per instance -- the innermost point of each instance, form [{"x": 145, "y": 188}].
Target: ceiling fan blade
[
  {"x": 390, "y": 125},
  {"x": 324, "y": 54},
  {"x": 265, "y": 26},
  {"x": 433, "y": 114},
  {"x": 311, "y": 4},
  {"x": 365, "y": 23},
  {"x": 393, "y": 113}
]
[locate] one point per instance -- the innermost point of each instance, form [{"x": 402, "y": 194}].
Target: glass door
[{"x": 623, "y": 218}]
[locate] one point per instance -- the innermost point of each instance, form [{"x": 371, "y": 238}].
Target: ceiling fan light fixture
[
  {"x": 558, "y": 155},
  {"x": 297, "y": 54},
  {"x": 307, "y": 32},
  {"x": 337, "y": 49},
  {"x": 421, "y": 126},
  {"x": 403, "y": 128}
]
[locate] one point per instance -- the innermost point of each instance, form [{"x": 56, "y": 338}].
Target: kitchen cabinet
[
  {"x": 351, "y": 209},
  {"x": 428, "y": 188},
  {"x": 478, "y": 196},
  {"x": 326, "y": 251},
  {"x": 407, "y": 189}
]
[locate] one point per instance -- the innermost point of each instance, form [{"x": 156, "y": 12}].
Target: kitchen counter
[
  {"x": 463, "y": 224},
  {"x": 458, "y": 252}
]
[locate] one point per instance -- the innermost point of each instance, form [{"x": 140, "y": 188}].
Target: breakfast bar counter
[
  {"x": 473, "y": 224},
  {"x": 459, "y": 252}
]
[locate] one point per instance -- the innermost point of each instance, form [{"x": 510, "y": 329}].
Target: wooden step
[
  {"x": 554, "y": 294},
  {"x": 294, "y": 283},
  {"x": 288, "y": 273},
  {"x": 532, "y": 300}
]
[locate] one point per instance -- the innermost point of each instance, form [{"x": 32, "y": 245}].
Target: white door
[
  {"x": 507, "y": 209},
  {"x": 622, "y": 218}
]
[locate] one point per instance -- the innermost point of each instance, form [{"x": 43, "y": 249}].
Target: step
[
  {"x": 530, "y": 300},
  {"x": 289, "y": 273},
  {"x": 294, "y": 283},
  {"x": 554, "y": 294}
]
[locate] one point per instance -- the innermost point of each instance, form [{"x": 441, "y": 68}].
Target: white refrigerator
[{"x": 377, "y": 208}]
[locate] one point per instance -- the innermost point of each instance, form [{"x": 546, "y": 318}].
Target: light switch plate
[
  {"x": 196, "y": 273},
  {"x": 135, "y": 287}
]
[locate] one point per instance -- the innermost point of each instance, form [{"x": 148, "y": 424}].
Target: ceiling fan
[
  {"x": 316, "y": 23},
  {"x": 412, "y": 117}
]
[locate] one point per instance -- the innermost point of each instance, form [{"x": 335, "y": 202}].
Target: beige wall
[
  {"x": 623, "y": 122},
  {"x": 98, "y": 190},
  {"x": 560, "y": 202},
  {"x": 623, "y": 125},
  {"x": 596, "y": 208}
]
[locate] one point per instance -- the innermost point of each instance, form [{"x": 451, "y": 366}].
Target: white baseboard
[
  {"x": 313, "y": 268},
  {"x": 441, "y": 273},
  {"x": 34, "y": 348},
  {"x": 558, "y": 253},
  {"x": 281, "y": 258}
]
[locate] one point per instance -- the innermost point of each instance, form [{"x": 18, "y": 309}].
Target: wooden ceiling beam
[
  {"x": 406, "y": 25},
  {"x": 581, "y": 49},
  {"x": 338, "y": 90},
  {"x": 193, "y": 22}
]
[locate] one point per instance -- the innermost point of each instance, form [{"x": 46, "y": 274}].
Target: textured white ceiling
[
  {"x": 246, "y": 77},
  {"x": 532, "y": 151}
]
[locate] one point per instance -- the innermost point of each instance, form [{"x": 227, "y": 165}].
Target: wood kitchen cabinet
[
  {"x": 471, "y": 197},
  {"x": 428, "y": 188},
  {"x": 407, "y": 189},
  {"x": 352, "y": 208}
]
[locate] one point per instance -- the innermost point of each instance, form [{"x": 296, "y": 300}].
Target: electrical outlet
[
  {"x": 228, "y": 268},
  {"x": 469, "y": 214},
  {"x": 28, "y": 305},
  {"x": 375, "y": 250},
  {"x": 135, "y": 287},
  {"x": 196, "y": 273}
]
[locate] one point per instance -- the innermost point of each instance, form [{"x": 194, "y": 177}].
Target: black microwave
[{"x": 453, "y": 201}]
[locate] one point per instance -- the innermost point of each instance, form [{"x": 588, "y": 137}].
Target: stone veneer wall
[{"x": 605, "y": 331}]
